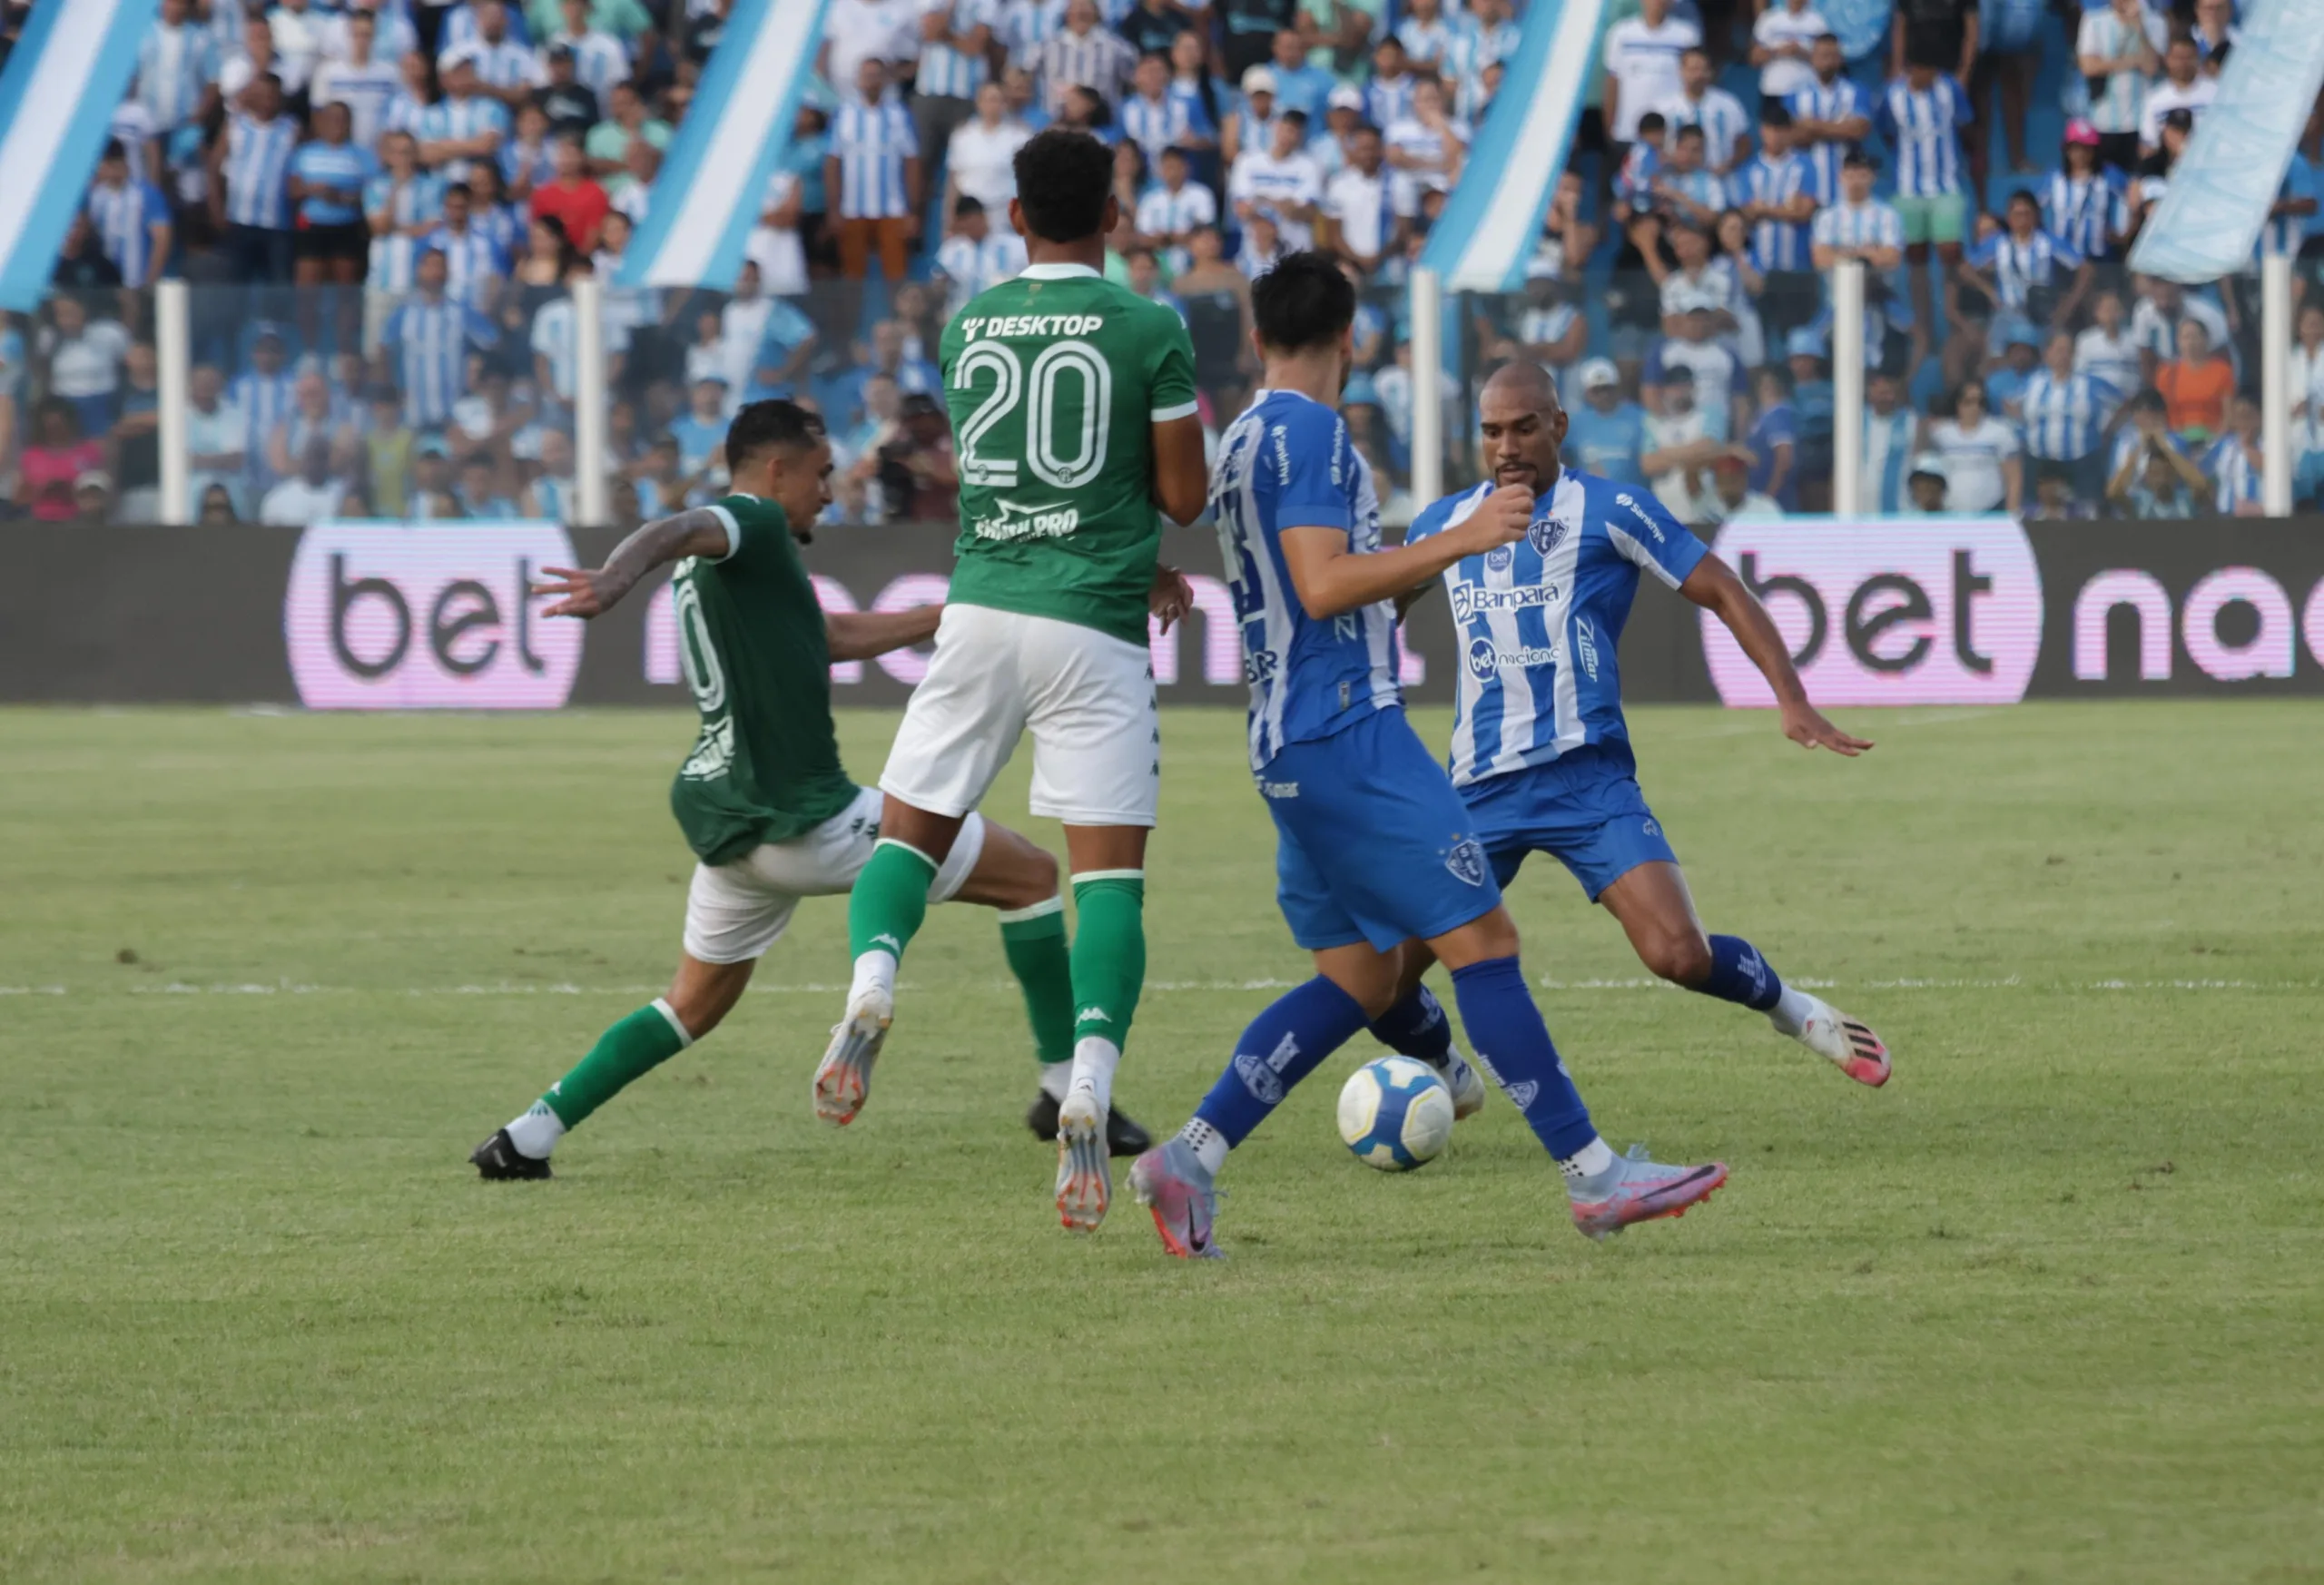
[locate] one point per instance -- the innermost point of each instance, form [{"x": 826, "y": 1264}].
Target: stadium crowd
[{"x": 380, "y": 207}]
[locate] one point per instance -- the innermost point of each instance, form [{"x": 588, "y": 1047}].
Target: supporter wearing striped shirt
[
  {"x": 400, "y": 205},
  {"x": 1388, "y": 96},
  {"x": 2121, "y": 46},
  {"x": 871, "y": 174},
  {"x": 328, "y": 178},
  {"x": 131, "y": 220},
  {"x": 249, "y": 169},
  {"x": 2024, "y": 271},
  {"x": 1775, "y": 194},
  {"x": 1828, "y": 117},
  {"x": 1726, "y": 127},
  {"x": 599, "y": 59},
  {"x": 2063, "y": 414},
  {"x": 429, "y": 338},
  {"x": 1921, "y": 115},
  {"x": 505, "y": 67},
  {"x": 2234, "y": 465},
  {"x": 954, "y": 36},
  {"x": 264, "y": 394},
  {"x": 394, "y": 35},
  {"x": 976, "y": 256},
  {"x": 1891, "y": 433},
  {"x": 1282, "y": 183},
  {"x": 364, "y": 83},
  {"x": 1083, "y": 54},
  {"x": 1424, "y": 31},
  {"x": 1682, "y": 187},
  {"x": 177, "y": 62},
  {"x": 463, "y": 125},
  {"x": 1152, "y": 117},
  {"x": 1860, "y": 227},
  {"x": 2083, "y": 204},
  {"x": 474, "y": 263},
  {"x": 1485, "y": 37},
  {"x": 1169, "y": 213},
  {"x": 1024, "y": 26}
]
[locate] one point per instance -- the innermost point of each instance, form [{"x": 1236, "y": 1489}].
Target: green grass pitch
[{"x": 2051, "y": 1308}]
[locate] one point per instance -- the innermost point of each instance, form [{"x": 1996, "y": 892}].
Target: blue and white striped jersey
[
  {"x": 1025, "y": 26},
  {"x": 431, "y": 340},
  {"x": 123, "y": 217},
  {"x": 872, "y": 143},
  {"x": 2235, "y": 474},
  {"x": 2020, "y": 269},
  {"x": 599, "y": 61},
  {"x": 264, "y": 400},
  {"x": 1924, "y": 129},
  {"x": 174, "y": 65},
  {"x": 1538, "y": 621},
  {"x": 1721, "y": 115},
  {"x": 1287, "y": 463},
  {"x": 1869, "y": 224},
  {"x": 453, "y": 119},
  {"x": 1778, "y": 244},
  {"x": 1840, "y": 102},
  {"x": 2086, "y": 212},
  {"x": 944, "y": 72},
  {"x": 473, "y": 262},
  {"x": 1387, "y": 103},
  {"x": 1154, "y": 125},
  {"x": 258, "y": 163},
  {"x": 507, "y": 64},
  {"x": 2063, "y": 418}
]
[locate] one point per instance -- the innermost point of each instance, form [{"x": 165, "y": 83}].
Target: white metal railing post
[
  {"x": 2275, "y": 383},
  {"x": 1847, "y": 388},
  {"x": 174, "y": 356},
  {"x": 592, "y": 495},
  {"x": 1428, "y": 388}
]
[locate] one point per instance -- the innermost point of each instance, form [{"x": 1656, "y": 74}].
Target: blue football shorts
[
  {"x": 1372, "y": 843},
  {"x": 1583, "y": 809}
]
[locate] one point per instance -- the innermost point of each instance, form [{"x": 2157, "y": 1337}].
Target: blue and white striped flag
[
  {"x": 2226, "y": 180},
  {"x": 69, "y": 72},
  {"x": 1492, "y": 220},
  {"x": 705, "y": 199}
]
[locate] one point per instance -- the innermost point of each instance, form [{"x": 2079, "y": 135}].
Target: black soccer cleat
[
  {"x": 1123, "y": 1136},
  {"x": 497, "y": 1159}
]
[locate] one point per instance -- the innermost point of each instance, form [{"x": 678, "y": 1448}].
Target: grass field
[{"x": 2050, "y": 1307}]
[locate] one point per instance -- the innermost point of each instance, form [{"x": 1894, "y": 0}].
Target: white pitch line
[{"x": 1198, "y": 987}]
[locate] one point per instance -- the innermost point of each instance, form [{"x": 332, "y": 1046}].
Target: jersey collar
[{"x": 1055, "y": 272}]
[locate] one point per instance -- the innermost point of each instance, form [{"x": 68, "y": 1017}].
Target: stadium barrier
[{"x": 363, "y": 615}]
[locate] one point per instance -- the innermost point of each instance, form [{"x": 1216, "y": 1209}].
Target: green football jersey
[
  {"x": 750, "y": 638},
  {"x": 1054, "y": 380}
]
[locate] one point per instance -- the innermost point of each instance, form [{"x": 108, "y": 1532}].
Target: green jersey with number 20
[
  {"x": 751, "y": 637},
  {"x": 1053, "y": 379}
]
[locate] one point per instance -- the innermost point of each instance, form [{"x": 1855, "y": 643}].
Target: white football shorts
[
  {"x": 1086, "y": 696},
  {"x": 737, "y": 910}
]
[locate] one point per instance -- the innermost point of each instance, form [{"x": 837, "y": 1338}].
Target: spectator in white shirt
[
  {"x": 856, "y": 31},
  {"x": 1359, "y": 206},
  {"x": 1283, "y": 184},
  {"x": 2185, "y": 85},
  {"x": 980, "y": 159},
  {"x": 308, "y": 497},
  {"x": 1642, "y": 66},
  {"x": 1782, "y": 42}
]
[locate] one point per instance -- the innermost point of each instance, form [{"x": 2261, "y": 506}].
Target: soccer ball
[{"x": 1395, "y": 1113}]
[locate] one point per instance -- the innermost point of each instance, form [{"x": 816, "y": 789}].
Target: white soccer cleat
[
  {"x": 1848, "y": 1044},
  {"x": 843, "y": 1077},
  {"x": 1085, "y": 1182}
]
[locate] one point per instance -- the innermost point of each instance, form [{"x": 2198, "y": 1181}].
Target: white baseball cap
[
  {"x": 1258, "y": 79},
  {"x": 1597, "y": 372}
]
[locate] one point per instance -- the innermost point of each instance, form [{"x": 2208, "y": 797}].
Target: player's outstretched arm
[
  {"x": 1330, "y": 578},
  {"x": 863, "y": 634},
  {"x": 1714, "y": 586},
  {"x": 700, "y": 531},
  {"x": 1181, "y": 478}
]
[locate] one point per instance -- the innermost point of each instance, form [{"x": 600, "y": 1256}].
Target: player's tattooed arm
[
  {"x": 1714, "y": 586},
  {"x": 864, "y": 635},
  {"x": 583, "y": 592}
]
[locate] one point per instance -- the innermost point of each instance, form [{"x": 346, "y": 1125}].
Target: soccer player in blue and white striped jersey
[
  {"x": 1541, "y": 753},
  {"x": 1374, "y": 849}
]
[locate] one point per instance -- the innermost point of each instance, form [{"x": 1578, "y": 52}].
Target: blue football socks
[
  {"x": 1282, "y": 1046},
  {"x": 1507, "y": 1032},
  {"x": 1739, "y": 974},
  {"x": 1417, "y": 1028}
]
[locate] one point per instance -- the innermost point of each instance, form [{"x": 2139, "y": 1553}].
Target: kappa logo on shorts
[
  {"x": 1522, "y": 1093},
  {"x": 1544, "y": 535},
  {"x": 1467, "y": 861}
]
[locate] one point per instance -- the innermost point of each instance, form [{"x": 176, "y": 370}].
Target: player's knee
[
  {"x": 1682, "y": 956},
  {"x": 1032, "y": 878}
]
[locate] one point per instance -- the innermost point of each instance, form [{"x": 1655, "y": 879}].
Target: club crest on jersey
[
  {"x": 1498, "y": 558},
  {"x": 1544, "y": 534},
  {"x": 1467, "y": 861}
]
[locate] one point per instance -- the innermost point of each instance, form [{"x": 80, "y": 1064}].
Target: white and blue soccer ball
[{"x": 1395, "y": 1113}]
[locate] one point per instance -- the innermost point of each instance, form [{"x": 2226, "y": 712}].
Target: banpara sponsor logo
[{"x": 394, "y": 617}]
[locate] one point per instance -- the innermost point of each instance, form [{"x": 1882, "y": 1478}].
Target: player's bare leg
[
  {"x": 700, "y": 997},
  {"x": 1108, "y": 864},
  {"x": 1657, "y": 913}
]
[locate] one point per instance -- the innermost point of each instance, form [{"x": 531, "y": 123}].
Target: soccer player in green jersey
[
  {"x": 1073, "y": 409},
  {"x": 763, "y": 799}
]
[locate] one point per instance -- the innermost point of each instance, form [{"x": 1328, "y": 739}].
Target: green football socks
[
  {"x": 1033, "y": 940},
  {"x": 890, "y": 902},
  {"x": 623, "y": 1054},
  {"x": 1108, "y": 969}
]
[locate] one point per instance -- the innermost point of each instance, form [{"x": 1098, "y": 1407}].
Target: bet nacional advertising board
[{"x": 368, "y": 615}]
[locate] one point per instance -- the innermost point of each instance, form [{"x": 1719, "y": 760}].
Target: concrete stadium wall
[{"x": 365, "y": 615}]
